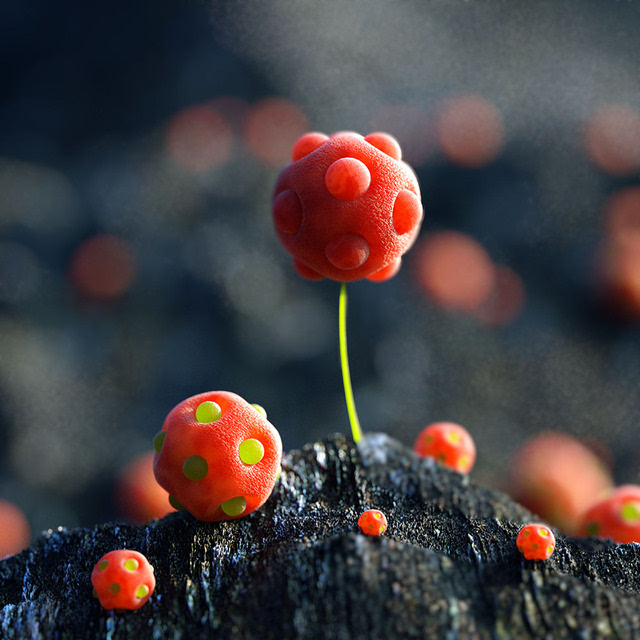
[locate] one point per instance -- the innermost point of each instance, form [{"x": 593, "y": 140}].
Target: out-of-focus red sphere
[
  {"x": 506, "y": 300},
  {"x": 469, "y": 130},
  {"x": 272, "y": 127},
  {"x": 453, "y": 270},
  {"x": 612, "y": 139},
  {"x": 557, "y": 477},
  {"x": 15, "y": 532},
  {"x": 103, "y": 268},
  {"x": 199, "y": 138},
  {"x": 138, "y": 495}
]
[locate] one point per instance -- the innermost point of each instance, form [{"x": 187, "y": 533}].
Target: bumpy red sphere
[
  {"x": 123, "y": 579},
  {"x": 536, "y": 541},
  {"x": 372, "y": 522},
  {"x": 347, "y": 207},
  {"x": 616, "y": 516},
  {"x": 449, "y": 443},
  {"x": 218, "y": 456}
]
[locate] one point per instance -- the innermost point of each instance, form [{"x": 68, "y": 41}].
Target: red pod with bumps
[
  {"x": 449, "y": 444},
  {"x": 218, "y": 456},
  {"x": 536, "y": 541},
  {"x": 616, "y": 516},
  {"x": 347, "y": 207},
  {"x": 123, "y": 579}
]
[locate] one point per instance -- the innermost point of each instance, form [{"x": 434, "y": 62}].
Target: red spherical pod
[
  {"x": 616, "y": 516},
  {"x": 218, "y": 456},
  {"x": 123, "y": 579},
  {"x": 536, "y": 541},
  {"x": 347, "y": 207},
  {"x": 372, "y": 522},
  {"x": 449, "y": 443}
]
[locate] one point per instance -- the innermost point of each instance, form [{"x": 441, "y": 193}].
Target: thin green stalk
[{"x": 344, "y": 362}]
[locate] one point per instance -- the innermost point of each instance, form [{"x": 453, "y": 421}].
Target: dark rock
[{"x": 447, "y": 567}]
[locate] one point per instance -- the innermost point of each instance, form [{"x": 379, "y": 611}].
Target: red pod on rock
[
  {"x": 123, "y": 579},
  {"x": 218, "y": 456},
  {"x": 347, "y": 207}
]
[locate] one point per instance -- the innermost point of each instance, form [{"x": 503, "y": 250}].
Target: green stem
[{"x": 344, "y": 362}]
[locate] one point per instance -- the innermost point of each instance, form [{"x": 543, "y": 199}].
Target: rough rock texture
[{"x": 447, "y": 567}]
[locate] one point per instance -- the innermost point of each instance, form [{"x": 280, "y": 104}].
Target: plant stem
[{"x": 344, "y": 362}]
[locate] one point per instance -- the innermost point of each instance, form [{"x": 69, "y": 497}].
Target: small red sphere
[
  {"x": 372, "y": 522},
  {"x": 449, "y": 443},
  {"x": 536, "y": 541},
  {"x": 123, "y": 579}
]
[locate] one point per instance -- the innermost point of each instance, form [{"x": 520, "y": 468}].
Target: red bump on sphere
[
  {"x": 536, "y": 541},
  {"x": 306, "y": 272},
  {"x": 407, "y": 212},
  {"x": 386, "y": 143},
  {"x": 348, "y": 188},
  {"x": 347, "y": 251},
  {"x": 386, "y": 272},
  {"x": 307, "y": 143},
  {"x": 372, "y": 522},
  {"x": 287, "y": 212},
  {"x": 347, "y": 179},
  {"x": 123, "y": 579},
  {"x": 448, "y": 443}
]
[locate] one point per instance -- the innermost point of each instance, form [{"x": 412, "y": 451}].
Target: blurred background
[{"x": 139, "y": 145}]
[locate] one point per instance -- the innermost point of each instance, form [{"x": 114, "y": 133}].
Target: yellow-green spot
[
  {"x": 195, "y": 468},
  {"x": 592, "y": 528},
  {"x": 102, "y": 565},
  {"x": 550, "y": 549},
  {"x": 251, "y": 451},
  {"x": 377, "y": 516},
  {"x": 260, "y": 409},
  {"x": 453, "y": 437},
  {"x": 208, "y": 412},
  {"x": 543, "y": 532},
  {"x": 158, "y": 440},
  {"x": 234, "y": 507},
  {"x": 114, "y": 588},
  {"x": 142, "y": 591},
  {"x": 278, "y": 474},
  {"x": 131, "y": 564},
  {"x": 175, "y": 503},
  {"x": 630, "y": 512}
]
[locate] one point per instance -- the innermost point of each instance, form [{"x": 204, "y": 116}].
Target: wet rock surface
[{"x": 447, "y": 567}]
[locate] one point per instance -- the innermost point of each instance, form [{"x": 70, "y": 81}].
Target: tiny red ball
[
  {"x": 372, "y": 522},
  {"x": 536, "y": 541},
  {"x": 449, "y": 444}
]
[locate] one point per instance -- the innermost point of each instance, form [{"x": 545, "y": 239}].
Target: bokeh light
[
  {"x": 469, "y": 130},
  {"x": 622, "y": 213},
  {"x": 137, "y": 495},
  {"x": 102, "y": 268},
  {"x": 506, "y": 299},
  {"x": 272, "y": 127},
  {"x": 15, "y": 532},
  {"x": 199, "y": 138},
  {"x": 618, "y": 276},
  {"x": 612, "y": 139},
  {"x": 453, "y": 270},
  {"x": 557, "y": 477}
]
